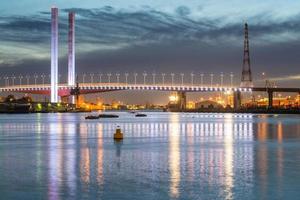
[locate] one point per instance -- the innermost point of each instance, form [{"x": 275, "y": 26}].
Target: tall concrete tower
[
  {"x": 246, "y": 73},
  {"x": 71, "y": 50},
  {"x": 54, "y": 55}
]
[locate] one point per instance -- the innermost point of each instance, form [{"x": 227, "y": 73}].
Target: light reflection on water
[
  {"x": 228, "y": 156},
  {"x": 163, "y": 156},
  {"x": 174, "y": 155}
]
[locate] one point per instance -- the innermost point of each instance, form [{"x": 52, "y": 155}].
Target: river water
[{"x": 162, "y": 156}]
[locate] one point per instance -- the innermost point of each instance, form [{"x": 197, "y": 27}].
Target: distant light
[{"x": 173, "y": 98}]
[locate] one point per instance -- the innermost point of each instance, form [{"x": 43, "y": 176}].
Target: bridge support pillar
[
  {"x": 237, "y": 100},
  {"x": 181, "y": 100},
  {"x": 270, "y": 99}
]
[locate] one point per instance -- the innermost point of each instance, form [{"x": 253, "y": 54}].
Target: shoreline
[{"x": 249, "y": 111}]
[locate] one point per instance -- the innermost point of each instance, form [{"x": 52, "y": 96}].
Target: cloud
[
  {"x": 112, "y": 39},
  {"x": 108, "y": 25}
]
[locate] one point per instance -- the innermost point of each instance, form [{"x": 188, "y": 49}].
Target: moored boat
[
  {"x": 141, "y": 115},
  {"x": 108, "y": 116},
  {"x": 92, "y": 117}
]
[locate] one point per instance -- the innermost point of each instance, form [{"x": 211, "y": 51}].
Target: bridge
[
  {"x": 56, "y": 89},
  {"x": 88, "y": 88},
  {"x": 64, "y": 90}
]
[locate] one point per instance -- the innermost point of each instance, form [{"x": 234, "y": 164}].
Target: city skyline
[{"x": 129, "y": 37}]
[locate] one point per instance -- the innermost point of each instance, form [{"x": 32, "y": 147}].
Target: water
[{"x": 163, "y": 156}]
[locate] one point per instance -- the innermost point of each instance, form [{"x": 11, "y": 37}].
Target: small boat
[
  {"x": 108, "y": 116},
  {"x": 92, "y": 117},
  {"x": 141, "y": 115},
  {"x": 132, "y": 112}
]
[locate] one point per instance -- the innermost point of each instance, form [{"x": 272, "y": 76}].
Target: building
[{"x": 207, "y": 104}]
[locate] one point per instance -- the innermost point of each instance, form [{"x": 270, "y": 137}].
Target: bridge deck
[
  {"x": 85, "y": 88},
  {"x": 116, "y": 86}
]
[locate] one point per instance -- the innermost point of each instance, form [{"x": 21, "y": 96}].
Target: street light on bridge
[
  {"x": 211, "y": 79},
  {"x": 126, "y": 78},
  {"x": 108, "y": 77},
  {"x": 83, "y": 78},
  {"x": 153, "y": 78},
  {"x": 92, "y": 77},
  {"x": 163, "y": 78},
  {"x": 201, "y": 79},
  {"x": 35, "y": 78},
  {"x": 59, "y": 78},
  {"x": 118, "y": 77},
  {"x": 100, "y": 77},
  {"x": 172, "y": 78},
  {"x": 20, "y": 79},
  {"x": 182, "y": 78},
  {"x": 222, "y": 79},
  {"x": 144, "y": 75},
  {"x": 265, "y": 79},
  {"x": 43, "y": 79},
  {"x": 27, "y": 79},
  {"x": 231, "y": 79},
  {"x": 192, "y": 78},
  {"x": 135, "y": 75},
  {"x": 13, "y": 80},
  {"x": 6, "y": 81}
]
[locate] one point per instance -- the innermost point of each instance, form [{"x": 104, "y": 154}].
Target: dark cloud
[{"x": 110, "y": 26}]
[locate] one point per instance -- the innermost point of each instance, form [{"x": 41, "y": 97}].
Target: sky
[{"x": 161, "y": 36}]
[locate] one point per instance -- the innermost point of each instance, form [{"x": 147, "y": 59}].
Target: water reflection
[
  {"x": 172, "y": 156},
  {"x": 39, "y": 150},
  {"x": 70, "y": 158},
  {"x": 84, "y": 155},
  {"x": 118, "y": 145},
  {"x": 190, "y": 151},
  {"x": 100, "y": 151},
  {"x": 55, "y": 161},
  {"x": 228, "y": 140}
]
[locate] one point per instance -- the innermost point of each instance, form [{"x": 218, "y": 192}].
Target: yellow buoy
[{"x": 118, "y": 135}]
